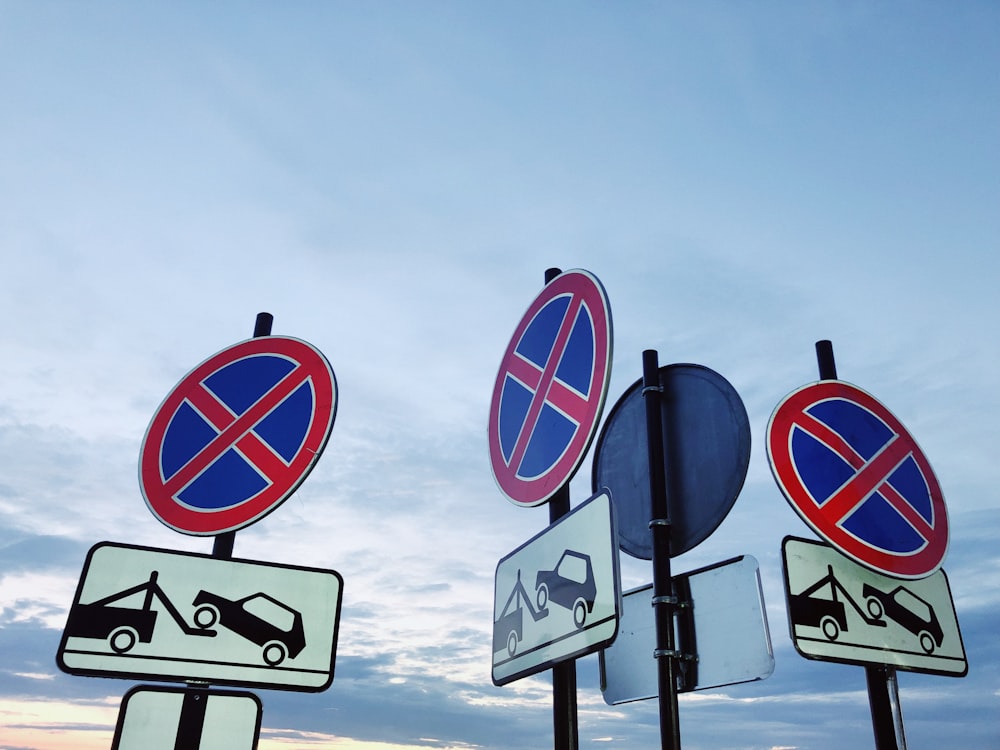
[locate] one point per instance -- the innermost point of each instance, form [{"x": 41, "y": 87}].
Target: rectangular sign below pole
[
  {"x": 150, "y": 614},
  {"x": 723, "y": 634},
  {"x": 841, "y": 611},
  {"x": 167, "y": 718},
  {"x": 557, "y": 596}
]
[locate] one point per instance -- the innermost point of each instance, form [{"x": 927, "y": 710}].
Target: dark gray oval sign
[{"x": 706, "y": 447}]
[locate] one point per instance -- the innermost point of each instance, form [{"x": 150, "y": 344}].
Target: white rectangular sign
[
  {"x": 165, "y": 718},
  {"x": 557, "y": 597},
  {"x": 841, "y": 611},
  {"x": 145, "y": 613},
  {"x": 728, "y": 642}
]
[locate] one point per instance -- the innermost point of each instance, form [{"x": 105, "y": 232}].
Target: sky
[{"x": 391, "y": 180}]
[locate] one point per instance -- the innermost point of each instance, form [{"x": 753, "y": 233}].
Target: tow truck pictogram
[
  {"x": 508, "y": 630},
  {"x": 829, "y": 615},
  {"x": 126, "y": 626}
]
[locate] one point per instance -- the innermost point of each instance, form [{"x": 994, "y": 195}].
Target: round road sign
[
  {"x": 237, "y": 435},
  {"x": 706, "y": 452},
  {"x": 550, "y": 389},
  {"x": 857, "y": 477}
]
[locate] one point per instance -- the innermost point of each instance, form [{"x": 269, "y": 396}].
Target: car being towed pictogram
[
  {"x": 570, "y": 584},
  {"x": 259, "y": 618},
  {"x": 908, "y": 610}
]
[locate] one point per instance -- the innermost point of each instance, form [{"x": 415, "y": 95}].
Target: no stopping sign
[
  {"x": 237, "y": 435},
  {"x": 550, "y": 389},
  {"x": 854, "y": 473}
]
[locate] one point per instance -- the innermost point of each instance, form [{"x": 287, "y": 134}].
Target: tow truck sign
[
  {"x": 558, "y": 597},
  {"x": 144, "y": 613},
  {"x": 841, "y": 611}
]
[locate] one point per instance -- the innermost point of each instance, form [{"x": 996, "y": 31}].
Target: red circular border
[
  {"x": 917, "y": 564},
  {"x": 527, "y": 493},
  {"x": 182, "y": 518}
]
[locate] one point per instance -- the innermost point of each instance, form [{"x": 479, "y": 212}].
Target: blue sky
[{"x": 391, "y": 181}]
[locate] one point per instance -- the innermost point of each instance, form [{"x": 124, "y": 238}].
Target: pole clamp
[
  {"x": 666, "y": 653},
  {"x": 652, "y": 389},
  {"x": 659, "y": 522},
  {"x": 663, "y": 600}
]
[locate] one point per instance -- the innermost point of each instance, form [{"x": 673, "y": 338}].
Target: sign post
[
  {"x": 230, "y": 442},
  {"x": 664, "y": 600},
  {"x": 674, "y": 491},
  {"x": 547, "y": 401},
  {"x": 883, "y": 688},
  {"x": 854, "y": 474},
  {"x": 565, "y": 724}
]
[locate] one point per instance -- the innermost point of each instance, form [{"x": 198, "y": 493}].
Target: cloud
[{"x": 392, "y": 187}]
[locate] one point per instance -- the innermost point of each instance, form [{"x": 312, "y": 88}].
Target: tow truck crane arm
[
  {"x": 836, "y": 586},
  {"x": 519, "y": 593},
  {"x": 151, "y": 589}
]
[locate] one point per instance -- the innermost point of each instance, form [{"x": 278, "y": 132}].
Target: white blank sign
[{"x": 153, "y": 718}]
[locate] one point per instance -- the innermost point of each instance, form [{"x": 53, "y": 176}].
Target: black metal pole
[
  {"x": 825, "y": 361},
  {"x": 664, "y": 600},
  {"x": 191, "y": 722},
  {"x": 879, "y": 679},
  {"x": 262, "y": 325},
  {"x": 224, "y": 543},
  {"x": 566, "y": 731},
  {"x": 192, "y": 716}
]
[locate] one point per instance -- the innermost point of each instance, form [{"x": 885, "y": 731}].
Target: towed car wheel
[
  {"x": 542, "y": 596},
  {"x": 206, "y": 616},
  {"x": 875, "y": 608},
  {"x": 275, "y": 653},
  {"x": 926, "y": 642}
]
